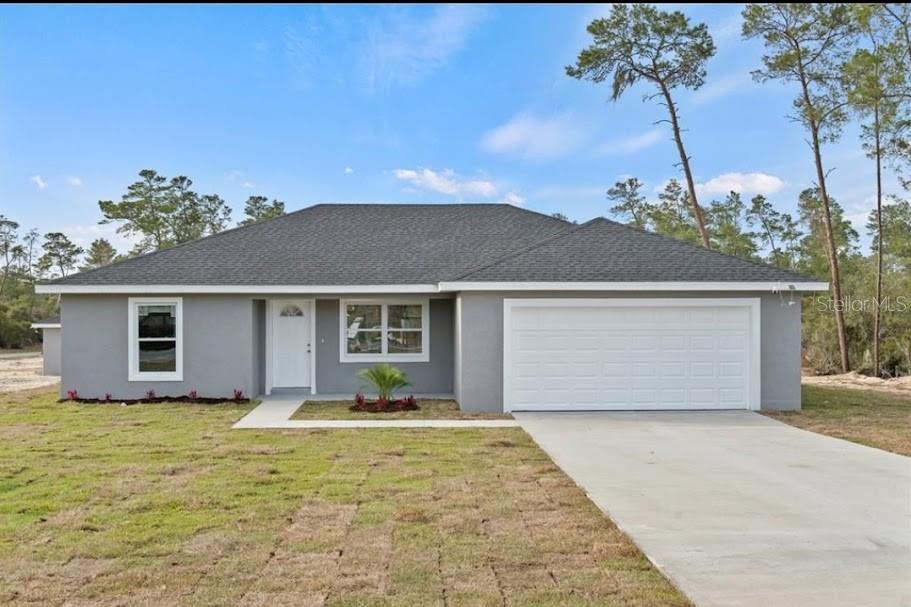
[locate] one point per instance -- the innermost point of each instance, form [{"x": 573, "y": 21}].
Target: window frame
[
  {"x": 134, "y": 374},
  {"x": 384, "y": 355}
]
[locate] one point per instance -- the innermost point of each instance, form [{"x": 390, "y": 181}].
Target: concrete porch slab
[{"x": 276, "y": 408}]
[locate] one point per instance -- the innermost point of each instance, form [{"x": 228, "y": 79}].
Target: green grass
[
  {"x": 429, "y": 409},
  {"x": 868, "y": 417},
  {"x": 165, "y": 505}
]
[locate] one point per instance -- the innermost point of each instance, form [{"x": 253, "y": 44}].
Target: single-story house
[
  {"x": 50, "y": 344},
  {"x": 501, "y": 307}
]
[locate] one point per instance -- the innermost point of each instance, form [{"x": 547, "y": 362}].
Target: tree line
[
  {"x": 160, "y": 212},
  {"x": 845, "y": 62}
]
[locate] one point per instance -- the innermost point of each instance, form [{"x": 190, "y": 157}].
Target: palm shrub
[{"x": 385, "y": 378}]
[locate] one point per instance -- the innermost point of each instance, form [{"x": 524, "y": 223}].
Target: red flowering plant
[{"x": 386, "y": 380}]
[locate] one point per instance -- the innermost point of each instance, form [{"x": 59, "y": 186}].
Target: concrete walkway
[
  {"x": 276, "y": 408},
  {"x": 740, "y": 510}
]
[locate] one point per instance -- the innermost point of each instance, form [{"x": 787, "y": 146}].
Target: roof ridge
[
  {"x": 524, "y": 250},
  {"x": 758, "y": 264}
]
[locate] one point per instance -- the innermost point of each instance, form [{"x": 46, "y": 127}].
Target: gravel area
[
  {"x": 24, "y": 373},
  {"x": 897, "y": 385}
]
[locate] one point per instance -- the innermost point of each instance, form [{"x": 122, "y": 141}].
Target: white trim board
[
  {"x": 235, "y": 289},
  {"x": 769, "y": 287},
  {"x": 442, "y": 287},
  {"x": 753, "y": 303},
  {"x": 45, "y": 325}
]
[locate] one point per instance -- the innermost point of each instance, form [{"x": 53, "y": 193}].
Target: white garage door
[{"x": 630, "y": 354}]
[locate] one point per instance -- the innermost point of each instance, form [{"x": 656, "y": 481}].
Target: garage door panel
[
  {"x": 673, "y": 343},
  {"x": 673, "y": 370},
  {"x": 731, "y": 369},
  {"x": 626, "y": 357}
]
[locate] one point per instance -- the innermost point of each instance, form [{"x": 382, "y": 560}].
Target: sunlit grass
[
  {"x": 164, "y": 505},
  {"x": 867, "y": 417}
]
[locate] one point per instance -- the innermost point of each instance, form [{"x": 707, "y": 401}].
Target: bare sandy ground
[
  {"x": 898, "y": 385},
  {"x": 24, "y": 374}
]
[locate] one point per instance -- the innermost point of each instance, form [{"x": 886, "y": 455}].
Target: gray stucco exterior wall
[
  {"x": 217, "y": 352},
  {"x": 225, "y": 347},
  {"x": 480, "y": 361},
  {"x": 433, "y": 377},
  {"x": 50, "y": 350},
  {"x": 780, "y": 353},
  {"x": 259, "y": 346}
]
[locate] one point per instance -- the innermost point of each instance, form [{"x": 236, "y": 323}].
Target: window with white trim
[
  {"x": 384, "y": 330},
  {"x": 156, "y": 339}
]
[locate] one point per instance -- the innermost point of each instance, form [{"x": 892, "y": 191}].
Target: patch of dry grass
[
  {"x": 429, "y": 409},
  {"x": 868, "y": 417},
  {"x": 164, "y": 505}
]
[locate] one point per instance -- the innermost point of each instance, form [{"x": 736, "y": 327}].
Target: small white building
[{"x": 50, "y": 344}]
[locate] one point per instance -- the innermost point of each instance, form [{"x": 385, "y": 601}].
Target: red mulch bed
[
  {"x": 380, "y": 406},
  {"x": 157, "y": 399}
]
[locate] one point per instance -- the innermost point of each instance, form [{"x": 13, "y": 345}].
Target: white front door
[{"x": 290, "y": 343}]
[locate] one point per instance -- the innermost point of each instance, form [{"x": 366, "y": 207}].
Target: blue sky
[{"x": 371, "y": 104}]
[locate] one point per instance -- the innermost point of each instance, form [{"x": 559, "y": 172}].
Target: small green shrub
[{"x": 385, "y": 378}]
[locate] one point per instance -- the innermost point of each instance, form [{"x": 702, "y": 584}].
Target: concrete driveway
[{"x": 741, "y": 510}]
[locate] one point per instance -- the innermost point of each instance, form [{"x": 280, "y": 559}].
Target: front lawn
[
  {"x": 867, "y": 417},
  {"x": 429, "y": 409},
  {"x": 165, "y": 505}
]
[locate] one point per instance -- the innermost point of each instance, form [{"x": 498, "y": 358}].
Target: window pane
[
  {"x": 365, "y": 342},
  {"x": 405, "y": 342},
  {"x": 405, "y": 317},
  {"x": 291, "y": 310},
  {"x": 157, "y": 356},
  {"x": 157, "y": 321},
  {"x": 362, "y": 317}
]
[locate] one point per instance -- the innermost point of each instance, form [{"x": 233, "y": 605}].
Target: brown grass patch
[{"x": 868, "y": 417}]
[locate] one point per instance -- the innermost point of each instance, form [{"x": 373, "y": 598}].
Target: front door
[{"x": 290, "y": 344}]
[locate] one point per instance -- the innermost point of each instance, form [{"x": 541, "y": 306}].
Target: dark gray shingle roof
[
  {"x": 340, "y": 244},
  {"x": 605, "y": 251},
  {"x": 374, "y": 244}
]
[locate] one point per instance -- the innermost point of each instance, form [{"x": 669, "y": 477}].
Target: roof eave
[
  {"x": 451, "y": 286},
  {"x": 89, "y": 289},
  {"x": 759, "y": 286}
]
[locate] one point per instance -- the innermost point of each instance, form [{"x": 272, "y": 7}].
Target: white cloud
[
  {"x": 238, "y": 178},
  {"x": 404, "y": 49},
  {"x": 727, "y": 29},
  {"x": 348, "y": 170},
  {"x": 446, "y": 182},
  {"x": 630, "y": 145},
  {"x": 76, "y": 182},
  {"x": 513, "y": 199},
  {"x": 83, "y": 235},
  {"x": 752, "y": 183},
  {"x": 719, "y": 88},
  {"x": 39, "y": 182},
  {"x": 535, "y": 138}
]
